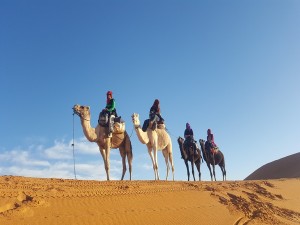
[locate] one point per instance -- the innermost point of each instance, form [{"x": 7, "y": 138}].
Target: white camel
[
  {"x": 155, "y": 140},
  {"x": 119, "y": 139}
]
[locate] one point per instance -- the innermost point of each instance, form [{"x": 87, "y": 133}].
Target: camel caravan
[{"x": 110, "y": 133}]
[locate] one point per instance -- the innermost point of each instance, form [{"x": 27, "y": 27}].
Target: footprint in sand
[{"x": 17, "y": 203}]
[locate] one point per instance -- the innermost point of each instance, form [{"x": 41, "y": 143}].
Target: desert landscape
[{"x": 27, "y": 200}]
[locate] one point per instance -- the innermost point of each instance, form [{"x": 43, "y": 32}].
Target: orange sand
[{"x": 57, "y": 201}]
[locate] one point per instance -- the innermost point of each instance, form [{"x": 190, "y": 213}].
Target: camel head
[
  {"x": 202, "y": 142},
  {"x": 82, "y": 111},
  {"x": 180, "y": 140},
  {"x": 135, "y": 119}
]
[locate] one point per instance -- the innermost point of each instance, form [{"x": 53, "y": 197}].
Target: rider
[
  {"x": 211, "y": 140},
  {"x": 110, "y": 109},
  {"x": 154, "y": 115},
  {"x": 189, "y": 137}
]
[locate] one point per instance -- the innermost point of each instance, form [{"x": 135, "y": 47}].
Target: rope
[
  {"x": 74, "y": 150},
  {"x": 131, "y": 133}
]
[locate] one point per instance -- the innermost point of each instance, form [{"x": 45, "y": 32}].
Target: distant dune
[{"x": 287, "y": 167}]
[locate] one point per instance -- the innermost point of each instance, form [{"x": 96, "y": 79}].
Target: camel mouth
[{"x": 76, "y": 110}]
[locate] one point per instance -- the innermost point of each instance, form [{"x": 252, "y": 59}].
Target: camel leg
[
  {"x": 107, "y": 160},
  {"x": 156, "y": 162},
  {"x": 154, "y": 147},
  {"x": 223, "y": 171},
  {"x": 213, "y": 166},
  {"x": 128, "y": 150},
  {"x": 129, "y": 159},
  {"x": 187, "y": 169},
  {"x": 198, "y": 168},
  {"x": 103, "y": 154},
  {"x": 123, "y": 155},
  {"x": 152, "y": 159},
  {"x": 193, "y": 172},
  {"x": 214, "y": 172},
  {"x": 169, "y": 150},
  {"x": 165, "y": 154},
  {"x": 211, "y": 176}
]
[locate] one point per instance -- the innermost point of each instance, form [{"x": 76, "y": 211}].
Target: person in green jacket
[
  {"x": 110, "y": 103},
  {"x": 110, "y": 109}
]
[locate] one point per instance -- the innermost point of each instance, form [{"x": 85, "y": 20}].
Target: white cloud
[
  {"x": 85, "y": 147},
  {"x": 21, "y": 157},
  {"x": 147, "y": 166},
  {"x": 60, "y": 150},
  {"x": 57, "y": 161}
]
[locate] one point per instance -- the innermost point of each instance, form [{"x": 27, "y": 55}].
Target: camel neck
[{"x": 88, "y": 131}]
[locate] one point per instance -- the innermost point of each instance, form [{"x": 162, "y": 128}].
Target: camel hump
[
  {"x": 118, "y": 120},
  {"x": 119, "y": 127},
  {"x": 161, "y": 126}
]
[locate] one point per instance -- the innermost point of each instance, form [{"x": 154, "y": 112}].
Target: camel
[
  {"x": 213, "y": 159},
  {"x": 155, "y": 140},
  {"x": 190, "y": 155},
  {"x": 119, "y": 139}
]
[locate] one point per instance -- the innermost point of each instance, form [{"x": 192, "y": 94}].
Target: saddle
[
  {"x": 192, "y": 149},
  {"x": 118, "y": 124},
  {"x": 155, "y": 125},
  {"x": 214, "y": 150}
]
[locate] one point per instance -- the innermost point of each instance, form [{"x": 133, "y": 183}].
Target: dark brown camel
[
  {"x": 213, "y": 159},
  {"x": 190, "y": 155}
]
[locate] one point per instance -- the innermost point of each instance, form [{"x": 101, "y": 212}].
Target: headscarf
[
  {"x": 208, "y": 132},
  {"x": 156, "y": 105},
  {"x": 107, "y": 99},
  {"x": 187, "y": 125}
]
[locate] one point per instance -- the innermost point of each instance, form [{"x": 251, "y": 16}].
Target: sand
[{"x": 43, "y": 201}]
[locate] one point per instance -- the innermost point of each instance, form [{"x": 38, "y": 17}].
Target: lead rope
[{"x": 73, "y": 149}]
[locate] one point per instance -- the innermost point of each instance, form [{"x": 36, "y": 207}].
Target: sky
[{"x": 231, "y": 66}]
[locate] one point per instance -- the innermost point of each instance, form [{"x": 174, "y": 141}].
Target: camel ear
[{"x": 88, "y": 108}]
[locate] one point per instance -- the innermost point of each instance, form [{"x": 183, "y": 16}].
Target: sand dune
[
  {"x": 25, "y": 200},
  {"x": 287, "y": 167}
]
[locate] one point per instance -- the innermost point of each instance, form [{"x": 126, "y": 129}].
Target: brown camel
[
  {"x": 193, "y": 155},
  {"x": 155, "y": 140},
  {"x": 213, "y": 159},
  {"x": 119, "y": 139}
]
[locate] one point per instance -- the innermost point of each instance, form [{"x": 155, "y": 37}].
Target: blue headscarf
[{"x": 188, "y": 126}]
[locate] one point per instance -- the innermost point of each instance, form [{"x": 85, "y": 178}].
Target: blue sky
[{"x": 232, "y": 66}]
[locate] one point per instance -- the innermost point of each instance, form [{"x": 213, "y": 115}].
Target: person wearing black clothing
[
  {"x": 154, "y": 115},
  {"x": 189, "y": 139}
]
